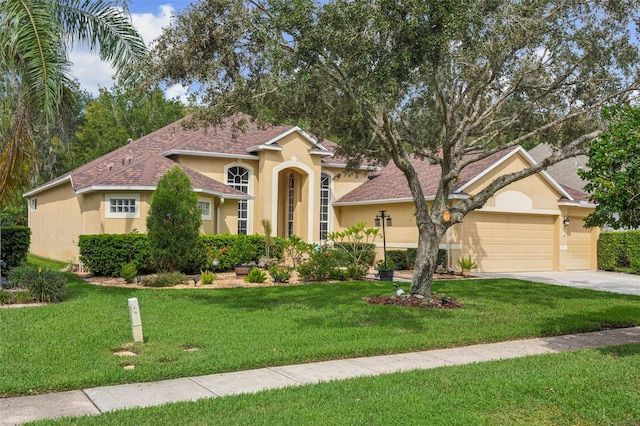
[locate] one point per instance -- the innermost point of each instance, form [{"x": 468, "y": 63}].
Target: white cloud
[{"x": 92, "y": 73}]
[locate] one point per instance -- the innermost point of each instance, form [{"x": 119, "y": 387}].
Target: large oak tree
[{"x": 451, "y": 82}]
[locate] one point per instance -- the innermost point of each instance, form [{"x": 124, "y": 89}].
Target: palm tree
[{"x": 35, "y": 75}]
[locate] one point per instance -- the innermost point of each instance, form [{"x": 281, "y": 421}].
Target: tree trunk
[{"x": 426, "y": 262}]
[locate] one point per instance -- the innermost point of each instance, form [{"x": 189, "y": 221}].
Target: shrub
[
  {"x": 320, "y": 265},
  {"x": 256, "y": 275},
  {"x": 5, "y": 297},
  {"x": 411, "y": 257},
  {"x": 633, "y": 249},
  {"x": 295, "y": 249},
  {"x": 612, "y": 250},
  {"x": 357, "y": 243},
  {"x": 353, "y": 272},
  {"x": 230, "y": 250},
  {"x": 386, "y": 265},
  {"x": 467, "y": 263},
  {"x": 207, "y": 277},
  {"x": 14, "y": 245},
  {"x": 22, "y": 297},
  {"x": 19, "y": 277},
  {"x": 44, "y": 285},
  {"x": 173, "y": 222},
  {"x": 280, "y": 274},
  {"x": 442, "y": 259},
  {"x": 129, "y": 272},
  {"x": 105, "y": 254},
  {"x": 399, "y": 257},
  {"x": 165, "y": 279}
]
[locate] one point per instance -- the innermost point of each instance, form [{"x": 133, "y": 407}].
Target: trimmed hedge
[
  {"x": 612, "y": 250},
  {"x": 14, "y": 245},
  {"x": 106, "y": 254},
  {"x": 405, "y": 259},
  {"x": 633, "y": 250}
]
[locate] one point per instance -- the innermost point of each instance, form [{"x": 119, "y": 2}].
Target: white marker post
[{"x": 136, "y": 321}]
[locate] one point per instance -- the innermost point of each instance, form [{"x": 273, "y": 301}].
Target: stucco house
[{"x": 283, "y": 174}]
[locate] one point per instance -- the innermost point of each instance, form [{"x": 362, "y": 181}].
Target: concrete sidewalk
[{"x": 98, "y": 400}]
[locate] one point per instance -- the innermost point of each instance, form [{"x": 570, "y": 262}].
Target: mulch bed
[{"x": 408, "y": 301}]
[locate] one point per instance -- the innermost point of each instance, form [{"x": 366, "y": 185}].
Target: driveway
[{"x": 594, "y": 280}]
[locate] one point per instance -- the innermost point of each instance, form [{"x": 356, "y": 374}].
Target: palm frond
[{"x": 104, "y": 26}]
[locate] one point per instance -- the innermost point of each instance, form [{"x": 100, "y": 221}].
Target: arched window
[
  {"x": 325, "y": 197},
  {"x": 238, "y": 178}
]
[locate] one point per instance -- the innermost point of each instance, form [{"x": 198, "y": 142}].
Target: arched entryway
[{"x": 293, "y": 203}]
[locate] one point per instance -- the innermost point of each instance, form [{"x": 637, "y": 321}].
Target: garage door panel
[{"x": 502, "y": 242}]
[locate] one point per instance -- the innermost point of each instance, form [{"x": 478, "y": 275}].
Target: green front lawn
[
  {"x": 70, "y": 345},
  {"x": 590, "y": 387}
]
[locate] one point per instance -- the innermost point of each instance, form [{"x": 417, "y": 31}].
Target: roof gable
[{"x": 390, "y": 185}]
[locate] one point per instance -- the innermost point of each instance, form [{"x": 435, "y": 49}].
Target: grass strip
[{"x": 589, "y": 387}]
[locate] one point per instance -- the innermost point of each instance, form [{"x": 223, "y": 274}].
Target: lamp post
[{"x": 383, "y": 218}]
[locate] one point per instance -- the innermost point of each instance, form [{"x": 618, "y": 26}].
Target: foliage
[
  {"x": 295, "y": 249},
  {"x": 5, "y": 297},
  {"x": 35, "y": 83},
  {"x": 386, "y": 265},
  {"x": 357, "y": 241},
  {"x": 320, "y": 265},
  {"x": 129, "y": 272},
  {"x": 613, "y": 170},
  {"x": 105, "y": 254},
  {"x": 14, "y": 244},
  {"x": 633, "y": 247},
  {"x": 164, "y": 279},
  {"x": 447, "y": 82},
  {"x": 44, "y": 285},
  {"x": 256, "y": 275},
  {"x": 207, "y": 277},
  {"x": 612, "y": 250},
  {"x": 116, "y": 116},
  {"x": 466, "y": 263},
  {"x": 173, "y": 223},
  {"x": 399, "y": 257},
  {"x": 280, "y": 274}
]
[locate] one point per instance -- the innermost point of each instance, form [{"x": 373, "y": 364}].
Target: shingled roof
[
  {"x": 141, "y": 163},
  {"x": 390, "y": 184}
]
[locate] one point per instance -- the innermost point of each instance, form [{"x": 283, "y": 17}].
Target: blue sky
[{"x": 149, "y": 17}]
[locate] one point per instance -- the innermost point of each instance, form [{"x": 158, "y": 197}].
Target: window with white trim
[
  {"x": 325, "y": 197},
  {"x": 122, "y": 206},
  {"x": 204, "y": 206},
  {"x": 34, "y": 204},
  {"x": 238, "y": 178}
]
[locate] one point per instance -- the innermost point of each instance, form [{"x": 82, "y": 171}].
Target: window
[
  {"x": 291, "y": 199},
  {"x": 325, "y": 196},
  {"x": 34, "y": 204},
  {"x": 122, "y": 206},
  {"x": 238, "y": 178},
  {"x": 204, "y": 205}
]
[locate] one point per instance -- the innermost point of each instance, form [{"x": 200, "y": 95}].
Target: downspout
[{"x": 218, "y": 213}]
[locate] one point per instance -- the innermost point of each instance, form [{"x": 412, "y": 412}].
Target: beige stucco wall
[{"x": 55, "y": 224}]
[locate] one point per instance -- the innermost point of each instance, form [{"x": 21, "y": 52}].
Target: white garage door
[
  {"x": 578, "y": 245},
  {"x": 508, "y": 242}
]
